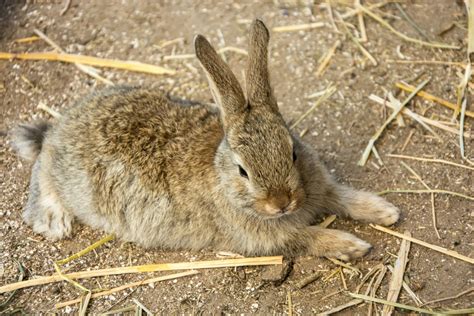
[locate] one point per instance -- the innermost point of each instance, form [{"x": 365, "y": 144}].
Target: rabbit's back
[{"x": 126, "y": 160}]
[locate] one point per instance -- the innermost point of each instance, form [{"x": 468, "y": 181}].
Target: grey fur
[{"x": 132, "y": 162}]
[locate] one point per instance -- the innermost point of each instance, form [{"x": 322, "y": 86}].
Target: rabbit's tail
[{"x": 27, "y": 139}]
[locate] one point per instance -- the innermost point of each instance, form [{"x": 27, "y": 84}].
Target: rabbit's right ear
[{"x": 225, "y": 88}]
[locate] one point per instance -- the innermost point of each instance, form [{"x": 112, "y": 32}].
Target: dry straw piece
[
  {"x": 442, "y": 250},
  {"x": 211, "y": 264},
  {"x": 92, "y": 61},
  {"x": 397, "y": 275},
  {"x": 373, "y": 139}
]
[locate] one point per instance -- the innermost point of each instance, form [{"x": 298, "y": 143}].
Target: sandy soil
[{"x": 339, "y": 129}]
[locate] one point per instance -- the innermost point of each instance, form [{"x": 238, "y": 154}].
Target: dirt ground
[{"x": 339, "y": 129}]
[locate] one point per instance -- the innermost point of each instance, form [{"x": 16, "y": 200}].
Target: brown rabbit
[{"x": 163, "y": 174}]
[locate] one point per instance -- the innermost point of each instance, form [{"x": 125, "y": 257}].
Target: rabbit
[{"x": 132, "y": 162}]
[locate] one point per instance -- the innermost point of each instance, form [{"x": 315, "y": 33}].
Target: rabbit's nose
[{"x": 278, "y": 205}]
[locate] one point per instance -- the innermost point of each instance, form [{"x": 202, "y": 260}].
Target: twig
[
  {"x": 368, "y": 149},
  {"x": 47, "y": 109},
  {"x": 343, "y": 279},
  {"x": 130, "y": 285},
  {"x": 470, "y": 30},
  {"x": 329, "y": 91},
  {"x": 298, "y": 27},
  {"x": 376, "y": 285},
  {"x": 397, "y": 275},
  {"x": 308, "y": 279},
  {"x": 401, "y": 35},
  {"x": 91, "y": 71},
  {"x": 211, "y": 264},
  {"x": 21, "y": 275},
  {"x": 411, "y": 22},
  {"x": 327, "y": 58},
  {"x": 450, "y": 297},
  {"x": 93, "y": 61},
  {"x": 442, "y": 250},
  {"x": 356, "y": 41},
  {"x": 431, "y": 97},
  {"x": 428, "y": 191},
  {"x": 358, "y": 10},
  {"x": 410, "y": 292}
]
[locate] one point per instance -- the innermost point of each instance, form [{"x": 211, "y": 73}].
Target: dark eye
[
  {"x": 243, "y": 173},
  {"x": 294, "y": 156}
]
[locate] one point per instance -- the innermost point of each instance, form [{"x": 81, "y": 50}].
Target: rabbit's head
[{"x": 257, "y": 158}]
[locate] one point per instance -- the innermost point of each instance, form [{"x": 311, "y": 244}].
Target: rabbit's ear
[
  {"x": 224, "y": 86},
  {"x": 259, "y": 91}
]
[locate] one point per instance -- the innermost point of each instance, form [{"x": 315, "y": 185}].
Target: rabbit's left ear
[
  {"x": 224, "y": 85},
  {"x": 259, "y": 91}
]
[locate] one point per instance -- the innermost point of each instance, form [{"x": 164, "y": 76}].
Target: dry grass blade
[
  {"x": 430, "y": 97},
  {"x": 411, "y": 22},
  {"x": 47, "y": 109},
  {"x": 142, "y": 307},
  {"x": 130, "y": 285},
  {"x": 85, "y": 303},
  {"x": 327, "y": 221},
  {"x": 368, "y": 149},
  {"x": 450, "y": 297},
  {"x": 420, "y": 119},
  {"x": 462, "y": 102},
  {"x": 344, "y": 265},
  {"x": 86, "y": 250},
  {"x": 290, "y": 304},
  {"x": 410, "y": 292},
  {"x": 211, "y": 264},
  {"x": 442, "y": 250},
  {"x": 397, "y": 275},
  {"x": 467, "y": 197},
  {"x": 327, "y": 58},
  {"x": 341, "y": 307},
  {"x": 92, "y": 61},
  {"x": 412, "y": 308},
  {"x": 91, "y": 71},
  {"x": 298, "y": 27},
  {"x": 360, "y": 19},
  {"x": 470, "y": 32},
  {"x": 433, "y": 210},
  {"x": 401, "y": 35},
  {"x": 426, "y": 62},
  {"x": 358, "y": 44},
  {"x": 26, "y": 39},
  {"x": 329, "y": 91}
]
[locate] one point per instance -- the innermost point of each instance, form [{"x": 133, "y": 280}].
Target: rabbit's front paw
[
  {"x": 348, "y": 248},
  {"x": 338, "y": 244}
]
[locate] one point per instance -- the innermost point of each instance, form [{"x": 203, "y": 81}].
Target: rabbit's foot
[
  {"x": 367, "y": 207},
  {"x": 337, "y": 244},
  {"x": 49, "y": 218}
]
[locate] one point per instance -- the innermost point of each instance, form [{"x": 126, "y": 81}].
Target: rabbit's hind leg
[
  {"x": 44, "y": 211},
  {"x": 363, "y": 206}
]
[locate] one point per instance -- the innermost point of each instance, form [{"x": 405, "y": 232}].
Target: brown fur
[{"x": 163, "y": 174}]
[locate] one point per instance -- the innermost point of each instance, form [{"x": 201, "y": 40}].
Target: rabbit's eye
[
  {"x": 243, "y": 173},
  {"x": 294, "y": 156}
]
